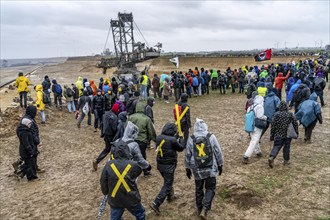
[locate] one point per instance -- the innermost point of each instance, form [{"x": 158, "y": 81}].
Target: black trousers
[
  {"x": 23, "y": 95},
  {"x": 320, "y": 94},
  {"x": 204, "y": 200},
  {"x": 29, "y": 168},
  {"x": 309, "y": 130},
  {"x": 143, "y": 148},
  {"x": 222, "y": 89},
  {"x": 167, "y": 189},
  {"x": 57, "y": 98},
  {"x": 214, "y": 85},
  {"x": 107, "y": 139},
  {"x": 264, "y": 131},
  {"x": 207, "y": 89},
  {"x": 185, "y": 136}
]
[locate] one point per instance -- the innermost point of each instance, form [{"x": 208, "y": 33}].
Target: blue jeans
[
  {"x": 71, "y": 106},
  {"x": 241, "y": 87},
  {"x": 278, "y": 144},
  {"x": 138, "y": 211},
  {"x": 144, "y": 91}
]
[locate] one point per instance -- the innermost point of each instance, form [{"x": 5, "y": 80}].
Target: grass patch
[
  {"x": 322, "y": 218},
  {"x": 264, "y": 185}
]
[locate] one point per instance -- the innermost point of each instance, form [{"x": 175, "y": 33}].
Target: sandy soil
[{"x": 70, "y": 189}]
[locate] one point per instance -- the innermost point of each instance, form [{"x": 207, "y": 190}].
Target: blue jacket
[
  {"x": 292, "y": 89},
  {"x": 271, "y": 105},
  {"x": 308, "y": 110},
  {"x": 195, "y": 81}
]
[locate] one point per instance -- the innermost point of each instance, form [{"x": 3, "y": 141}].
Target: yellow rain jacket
[
  {"x": 22, "y": 84},
  {"x": 262, "y": 91},
  {"x": 145, "y": 80},
  {"x": 39, "y": 102},
  {"x": 80, "y": 85}
]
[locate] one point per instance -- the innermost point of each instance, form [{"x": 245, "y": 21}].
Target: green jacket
[
  {"x": 264, "y": 74},
  {"x": 146, "y": 128},
  {"x": 214, "y": 74}
]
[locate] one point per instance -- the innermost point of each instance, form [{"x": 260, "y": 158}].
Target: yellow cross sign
[
  {"x": 200, "y": 148},
  {"x": 159, "y": 148},
  {"x": 121, "y": 179},
  {"x": 179, "y": 117}
]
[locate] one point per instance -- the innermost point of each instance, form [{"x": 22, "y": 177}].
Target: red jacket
[{"x": 280, "y": 79}]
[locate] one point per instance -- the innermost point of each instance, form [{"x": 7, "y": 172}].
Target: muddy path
[{"x": 70, "y": 189}]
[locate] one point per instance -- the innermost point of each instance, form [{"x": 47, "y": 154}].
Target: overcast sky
[{"x": 73, "y": 28}]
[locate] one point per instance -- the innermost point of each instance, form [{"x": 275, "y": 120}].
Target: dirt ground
[{"x": 70, "y": 189}]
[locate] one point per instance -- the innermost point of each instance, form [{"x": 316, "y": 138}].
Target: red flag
[{"x": 266, "y": 55}]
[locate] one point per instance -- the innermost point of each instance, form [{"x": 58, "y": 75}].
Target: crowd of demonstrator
[{"x": 123, "y": 113}]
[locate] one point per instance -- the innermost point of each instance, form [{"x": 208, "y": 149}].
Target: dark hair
[{"x": 20, "y": 74}]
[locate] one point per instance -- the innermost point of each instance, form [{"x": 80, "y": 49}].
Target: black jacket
[
  {"x": 148, "y": 111},
  {"x": 83, "y": 99},
  {"x": 46, "y": 84},
  {"x": 110, "y": 121},
  {"x": 114, "y": 85},
  {"x": 166, "y": 162},
  {"x": 75, "y": 93},
  {"x": 34, "y": 129},
  {"x": 185, "y": 121},
  {"x": 27, "y": 148},
  {"x": 98, "y": 103},
  {"x": 109, "y": 100},
  {"x": 108, "y": 181}
]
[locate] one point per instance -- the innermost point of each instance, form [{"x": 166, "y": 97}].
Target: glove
[
  {"x": 271, "y": 138},
  {"x": 188, "y": 173},
  {"x": 149, "y": 168},
  {"x": 220, "y": 170},
  {"x": 320, "y": 121}
]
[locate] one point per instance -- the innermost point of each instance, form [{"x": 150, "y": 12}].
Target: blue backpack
[
  {"x": 249, "y": 121},
  {"x": 58, "y": 89}
]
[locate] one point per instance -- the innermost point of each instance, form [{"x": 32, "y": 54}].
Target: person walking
[
  {"x": 144, "y": 85},
  {"x": 148, "y": 109},
  {"x": 57, "y": 90},
  {"x": 98, "y": 104},
  {"x": 68, "y": 95},
  {"x": 46, "y": 88},
  {"x": 278, "y": 133},
  {"x": 203, "y": 159},
  {"x": 167, "y": 158},
  {"x": 22, "y": 84},
  {"x": 85, "y": 108},
  {"x": 156, "y": 86},
  {"x": 319, "y": 85},
  {"x": 185, "y": 121},
  {"x": 241, "y": 80},
  {"x": 40, "y": 103}
]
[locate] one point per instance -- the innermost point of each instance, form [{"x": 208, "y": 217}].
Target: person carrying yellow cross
[
  {"x": 118, "y": 182},
  {"x": 166, "y": 155},
  {"x": 185, "y": 123}
]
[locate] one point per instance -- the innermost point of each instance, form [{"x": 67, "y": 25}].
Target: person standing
[
  {"x": 241, "y": 79},
  {"x": 46, "y": 88},
  {"x": 80, "y": 85},
  {"x": 114, "y": 85},
  {"x": 147, "y": 131},
  {"x": 27, "y": 149},
  {"x": 40, "y": 103},
  {"x": 309, "y": 112},
  {"x": 155, "y": 86},
  {"x": 185, "y": 121},
  {"x": 75, "y": 95},
  {"x": 144, "y": 85},
  {"x": 68, "y": 95},
  {"x": 57, "y": 90},
  {"x": 85, "y": 108},
  {"x": 109, "y": 131},
  {"x": 319, "y": 85},
  {"x": 214, "y": 79},
  {"x": 278, "y": 133},
  {"x": 258, "y": 108},
  {"x": 167, "y": 158},
  {"x": 204, "y": 159},
  {"x": 279, "y": 83},
  {"x": 98, "y": 108},
  {"x": 122, "y": 196},
  {"x": 22, "y": 84},
  {"x": 148, "y": 109},
  {"x": 166, "y": 89}
]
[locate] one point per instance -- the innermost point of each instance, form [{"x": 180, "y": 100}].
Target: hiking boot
[
  {"x": 245, "y": 160},
  {"x": 155, "y": 207},
  {"x": 16, "y": 165},
  {"x": 40, "y": 170},
  {"x": 20, "y": 174},
  {"x": 198, "y": 211},
  {"x": 271, "y": 162},
  {"x": 95, "y": 130},
  {"x": 286, "y": 162},
  {"x": 43, "y": 122},
  {"x": 259, "y": 155},
  {"x": 203, "y": 214},
  {"x": 95, "y": 165},
  {"x": 172, "y": 198},
  {"x": 78, "y": 125},
  {"x": 307, "y": 141}
]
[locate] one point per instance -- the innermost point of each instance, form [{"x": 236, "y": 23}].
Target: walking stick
[{"x": 102, "y": 207}]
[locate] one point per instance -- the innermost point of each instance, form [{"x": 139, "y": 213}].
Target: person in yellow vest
[
  {"x": 22, "y": 84},
  {"x": 80, "y": 85},
  {"x": 262, "y": 89},
  {"x": 40, "y": 103},
  {"x": 144, "y": 85}
]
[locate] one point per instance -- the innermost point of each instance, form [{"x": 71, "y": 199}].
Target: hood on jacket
[
  {"x": 54, "y": 81},
  {"x": 298, "y": 82},
  {"x": 313, "y": 96},
  {"x": 122, "y": 152},
  {"x": 21, "y": 78},
  {"x": 291, "y": 80},
  {"x": 27, "y": 122},
  {"x": 283, "y": 106},
  {"x": 258, "y": 100},
  {"x": 113, "y": 79},
  {"x": 131, "y": 131},
  {"x": 122, "y": 116},
  {"x": 80, "y": 78},
  {"x": 91, "y": 82},
  {"x": 39, "y": 88},
  {"x": 184, "y": 97},
  {"x": 101, "y": 79},
  {"x": 31, "y": 111},
  {"x": 87, "y": 84},
  {"x": 85, "y": 93},
  {"x": 46, "y": 78},
  {"x": 262, "y": 80},
  {"x": 280, "y": 74},
  {"x": 139, "y": 107},
  {"x": 150, "y": 101},
  {"x": 254, "y": 94},
  {"x": 262, "y": 84},
  {"x": 200, "y": 126},
  {"x": 170, "y": 129}
]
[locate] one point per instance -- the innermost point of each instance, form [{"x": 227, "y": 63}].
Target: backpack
[
  {"x": 58, "y": 89},
  {"x": 202, "y": 151},
  {"x": 297, "y": 95},
  {"x": 249, "y": 120},
  {"x": 130, "y": 106},
  {"x": 86, "y": 107},
  {"x": 45, "y": 98},
  {"x": 69, "y": 92},
  {"x": 119, "y": 144}
]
